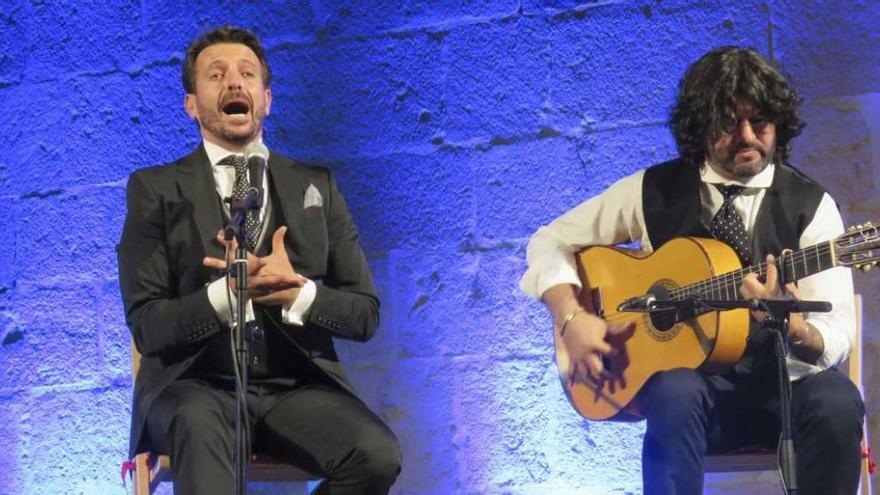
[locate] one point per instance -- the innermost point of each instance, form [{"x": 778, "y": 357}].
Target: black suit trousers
[
  {"x": 690, "y": 414},
  {"x": 317, "y": 427}
]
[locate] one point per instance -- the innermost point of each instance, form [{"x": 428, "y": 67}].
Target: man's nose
[
  {"x": 234, "y": 80},
  {"x": 745, "y": 132}
]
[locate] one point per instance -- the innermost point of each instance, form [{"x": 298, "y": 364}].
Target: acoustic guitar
[{"x": 621, "y": 284}]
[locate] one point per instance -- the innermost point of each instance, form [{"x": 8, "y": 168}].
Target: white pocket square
[{"x": 312, "y": 197}]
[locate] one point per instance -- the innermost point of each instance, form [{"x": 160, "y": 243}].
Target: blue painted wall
[{"x": 455, "y": 129}]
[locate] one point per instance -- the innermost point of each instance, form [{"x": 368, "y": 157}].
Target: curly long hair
[{"x": 709, "y": 91}]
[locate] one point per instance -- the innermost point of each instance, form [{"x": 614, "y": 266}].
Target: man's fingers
[
  {"x": 621, "y": 331},
  {"x": 221, "y": 239},
  {"x": 752, "y": 287},
  {"x": 214, "y": 263},
  {"x": 276, "y": 282},
  {"x": 594, "y": 365},
  {"x": 772, "y": 275},
  {"x": 278, "y": 240},
  {"x": 604, "y": 348}
]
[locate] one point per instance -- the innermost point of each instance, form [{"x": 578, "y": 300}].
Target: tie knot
[
  {"x": 236, "y": 161},
  {"x": 729, "y": 192}
]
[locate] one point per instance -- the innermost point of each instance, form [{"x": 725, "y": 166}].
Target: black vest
[
  {"x": 272, "y": 356},
  {"x": 671, "y": 205}
]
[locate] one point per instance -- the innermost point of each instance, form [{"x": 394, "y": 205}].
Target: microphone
[
  {"x": 648, "y": 302},
  {"x": 640, "y": 304},
  {"x": 256, "y": 155}
]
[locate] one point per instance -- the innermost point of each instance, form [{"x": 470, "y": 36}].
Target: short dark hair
[
  {"x": 710, "y": 89},
  {"x": 223, "y": 34}
]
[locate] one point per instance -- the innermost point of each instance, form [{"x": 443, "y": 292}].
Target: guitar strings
[{"x": 725, "y": 281}]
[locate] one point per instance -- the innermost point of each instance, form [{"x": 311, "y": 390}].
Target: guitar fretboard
[{"x": 792, "y": 267}]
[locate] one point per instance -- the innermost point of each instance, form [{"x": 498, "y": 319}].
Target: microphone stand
[
  {"x": 777, "y": 321},
  {"x": 237, "y": 229}
]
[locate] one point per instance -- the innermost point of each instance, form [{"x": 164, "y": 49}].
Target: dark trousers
[
  {"x": 690, "y": 414},
  {"x": 317, "y": 427}
]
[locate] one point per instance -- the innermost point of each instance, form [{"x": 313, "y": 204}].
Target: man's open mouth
[{"x": 236, "y": 107}]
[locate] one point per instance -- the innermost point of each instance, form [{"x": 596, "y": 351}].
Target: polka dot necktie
[
  {"x": 239, "y": 190},
  {"x": 728, "y": 227}
]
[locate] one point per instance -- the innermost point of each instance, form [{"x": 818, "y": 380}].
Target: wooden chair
[
  {"x": 148, "y": 470},
  {"x": 767, "y": 460}
]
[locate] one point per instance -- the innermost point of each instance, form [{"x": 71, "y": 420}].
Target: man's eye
[
  {"x": 248, "y": 74},
  {"x": 215, "y": 76},
  {"x": 757, "y": 121}
]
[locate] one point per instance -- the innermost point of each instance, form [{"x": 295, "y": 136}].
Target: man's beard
[
  {"x": 729, "y": 164},
  {"x": 215, "y": 125}
]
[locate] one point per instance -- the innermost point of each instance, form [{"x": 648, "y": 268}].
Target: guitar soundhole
[{"x": 663, "y": 321}]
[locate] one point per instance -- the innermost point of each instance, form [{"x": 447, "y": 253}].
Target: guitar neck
[{"x": 791, "y": 267}]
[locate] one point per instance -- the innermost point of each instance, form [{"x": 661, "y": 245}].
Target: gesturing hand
[
  {"x": 266, "y": 275},
  {"x": 253, "y": 263},
  {"x": 276, "y": 282}
]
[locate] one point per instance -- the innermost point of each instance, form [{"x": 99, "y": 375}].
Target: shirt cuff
[
  {"x": 549, "y": 273},
  {"x": 298, "y": 311},
  {"x": 224, "y": 302}
]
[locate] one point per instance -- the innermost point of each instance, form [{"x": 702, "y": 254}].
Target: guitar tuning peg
[
  {"x": 867, "y": 267},
  {"x": 851, "y": 228}
]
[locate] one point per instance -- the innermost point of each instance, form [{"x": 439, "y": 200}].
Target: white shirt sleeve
[
  {"x": 613, "y": 217},
  {"x": 298, "y": 311},
  {"x": 224, "y": 302},
  {"x": 296, "y": 314},
  {"x": 838, "y": 326}
]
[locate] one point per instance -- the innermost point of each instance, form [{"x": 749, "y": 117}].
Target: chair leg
[
  {"x": 867, "y": 468},
  {"x": 141, "y": 475}
]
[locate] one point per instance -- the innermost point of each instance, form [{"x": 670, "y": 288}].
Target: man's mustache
[{"x": 751, "y": 147}]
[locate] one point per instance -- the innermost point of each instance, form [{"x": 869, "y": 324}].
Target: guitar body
[{"x": 712, "y": 341}]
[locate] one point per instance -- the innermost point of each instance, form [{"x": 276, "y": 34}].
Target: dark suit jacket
[{"x": 171, "y": 223}]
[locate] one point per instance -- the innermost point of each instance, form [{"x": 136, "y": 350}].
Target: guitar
[{"x": 683, "y": 269}]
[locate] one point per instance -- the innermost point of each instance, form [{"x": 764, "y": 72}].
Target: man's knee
[
  {"x": 378, "y": 454},
  {"x": 831, "y": 408},
  {"x": 678, "y": 389},
  {"x": 193, "y": 423}
]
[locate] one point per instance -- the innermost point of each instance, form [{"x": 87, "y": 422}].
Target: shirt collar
[
  {"x": 710, "y": 175},
  {"x": 216, "y": 152}
]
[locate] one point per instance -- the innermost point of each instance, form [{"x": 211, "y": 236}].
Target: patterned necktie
[
  {"x": 728, "y": 227},
  {"x": 239, "y": 190}
]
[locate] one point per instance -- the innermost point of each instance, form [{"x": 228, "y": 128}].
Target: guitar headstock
[{"x": 859, "y": 248}]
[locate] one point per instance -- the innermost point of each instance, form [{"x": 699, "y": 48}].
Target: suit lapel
[
  {"x": 196, "y": 183},
  {"x": 289, "y": 188}
]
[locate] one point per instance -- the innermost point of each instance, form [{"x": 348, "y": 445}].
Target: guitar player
[{"x": 733, "y": 122}]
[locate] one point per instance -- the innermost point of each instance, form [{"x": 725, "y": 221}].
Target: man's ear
[
  {"x": 268, "y": 96},
  {"x": 189, "y": 104}
]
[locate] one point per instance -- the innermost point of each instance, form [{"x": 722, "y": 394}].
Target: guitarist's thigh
[
  {"x": 687, "y": 400},
  {"x": 674, "y": 396}
]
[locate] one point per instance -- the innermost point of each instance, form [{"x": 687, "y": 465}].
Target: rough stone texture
[
  {"x": 454, "y": 129},
  {"x": 50, "y": 337},
  {"x": 67, "y": 235}
]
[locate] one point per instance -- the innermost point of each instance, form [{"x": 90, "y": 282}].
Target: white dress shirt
[
  {"x": 222, "y": 300},
  {"x": 616, "y": 216}
]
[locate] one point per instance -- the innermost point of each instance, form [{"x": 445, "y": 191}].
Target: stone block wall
[{"x": 455, "y": 129}]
